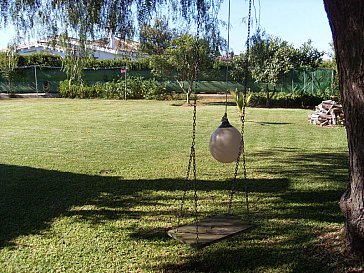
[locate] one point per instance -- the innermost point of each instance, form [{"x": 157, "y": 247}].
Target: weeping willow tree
[
  {"x": 86, "y": 20},
  {"x": 95, "y": 18}
]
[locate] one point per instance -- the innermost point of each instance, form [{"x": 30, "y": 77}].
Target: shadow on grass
[
  {"x": 219, "y": 103},
  {"x": 31, "y": 198},
  {"x": 270, "y": 123},
  {"x": 287, "y": 218}
]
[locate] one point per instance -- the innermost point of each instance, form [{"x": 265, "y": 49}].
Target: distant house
[{"x": 102, "y": 49}]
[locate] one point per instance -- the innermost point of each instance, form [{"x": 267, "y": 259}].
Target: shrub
[
  {"x": 287, "y": 100},
  {"x": 137, "y": 88},
  {"x": 140, "y": 64},
  {"x": 41, "y": 58}
]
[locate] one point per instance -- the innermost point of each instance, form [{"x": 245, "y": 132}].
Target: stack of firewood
[{"x": 328, "y": 112}]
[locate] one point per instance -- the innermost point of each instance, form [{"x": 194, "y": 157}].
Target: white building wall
[{"x": 98, "y": 52}]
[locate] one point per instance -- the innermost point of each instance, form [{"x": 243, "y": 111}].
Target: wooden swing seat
[{"x": 209, "y": 230}]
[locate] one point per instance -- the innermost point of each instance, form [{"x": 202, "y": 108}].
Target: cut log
[{"x": 328, "y": 112}]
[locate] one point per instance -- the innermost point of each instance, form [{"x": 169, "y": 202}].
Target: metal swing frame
[{"x": 216, "y": 228}]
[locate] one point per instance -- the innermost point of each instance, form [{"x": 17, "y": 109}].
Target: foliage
[
  {"x": 46, "y": 59},
  {"x": 92, "y": 18},
  {"x": 41, "y": 59},
  {"x": 8, "y": 63},
  {"x": 183, "y": 59},
  {"x": 241, "y": 100},
  {"x": 270, "y": 58},
  {"x": 140, "y": 64},
  {"x": 238, "y": 68},
  {"x": 75, "y": 58},
  {"x": 307, "y": 56},
  {"x": 331, "y": 64},
  {"x": 136, "y": 88},
  {"x": 155, "y": 39},
  {"x": 286, "y": 100}
]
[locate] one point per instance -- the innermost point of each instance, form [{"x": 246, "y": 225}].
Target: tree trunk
[
  {"x": 267, "y": 103},
  {"x": 189, "y": 92},
  {"x": 347, "y": 26}
]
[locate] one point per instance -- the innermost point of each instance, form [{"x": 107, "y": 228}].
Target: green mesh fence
[
  {"x": 319, "y": 81},
  {"x": 46, "y": 79}
]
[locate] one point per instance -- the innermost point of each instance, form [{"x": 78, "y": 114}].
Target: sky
[{"x": 294, "y": 21}]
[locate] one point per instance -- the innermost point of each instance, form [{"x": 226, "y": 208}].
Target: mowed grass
[{"x": 93, "y": 186}]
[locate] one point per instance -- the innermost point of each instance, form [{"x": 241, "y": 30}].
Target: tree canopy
[
  {"x": 154, "y": 39},
  {"x": 91, "y": 18},
  {"x": 183, "y": 59}
]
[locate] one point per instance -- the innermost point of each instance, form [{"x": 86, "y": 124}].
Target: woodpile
[{"x": 328, "y": 112}]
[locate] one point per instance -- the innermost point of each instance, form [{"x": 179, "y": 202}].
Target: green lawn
[{"x": 93, "y": 185}]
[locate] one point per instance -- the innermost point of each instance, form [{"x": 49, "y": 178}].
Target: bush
[
  {"x": 142, "y": 64},
  {"x": 41, "y": 59},
  {"x": 137, "y": 88},
  {"x": 287, "y": 100}
]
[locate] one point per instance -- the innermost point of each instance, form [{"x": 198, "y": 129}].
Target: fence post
[
  {"x": 36, "y": 79},
  {"x": 304, "y": 81}
]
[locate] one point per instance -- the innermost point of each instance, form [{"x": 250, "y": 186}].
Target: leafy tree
[
  {"x": 182, "y": 60},
  {"x": 307, "y": 56},
  {"x": 238, "y": 70},
  {"x": 75, "y": 59},
  {"x": 8, "y": 64},
  {"x": 331, "y": 64},
  {"x": 155, "y": 39},
  {"x": 270, "y": 60}
]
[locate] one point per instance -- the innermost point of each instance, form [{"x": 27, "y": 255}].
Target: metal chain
[
  {"x": 197, "y": 63},
  {"x": 241, "y": 154},
  {"x": 191, "y": 162},
  {"x": 227, "y": 60},
  {"x": 195, "y": 197},
  {"x": 243, "y": 113}
]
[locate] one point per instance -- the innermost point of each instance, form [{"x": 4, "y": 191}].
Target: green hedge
[
  {"x": 41, "y": 59},
  {"x": 46, "y": 59},
  {"x": 286, "y": 100},
  {"x": 136, "y": 88}
]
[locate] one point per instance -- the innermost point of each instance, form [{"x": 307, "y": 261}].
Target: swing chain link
[
  {"x": 241, "y": 154},
  {"x": 191, "y": 162},
  {"x": 195, "y": 197}
]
